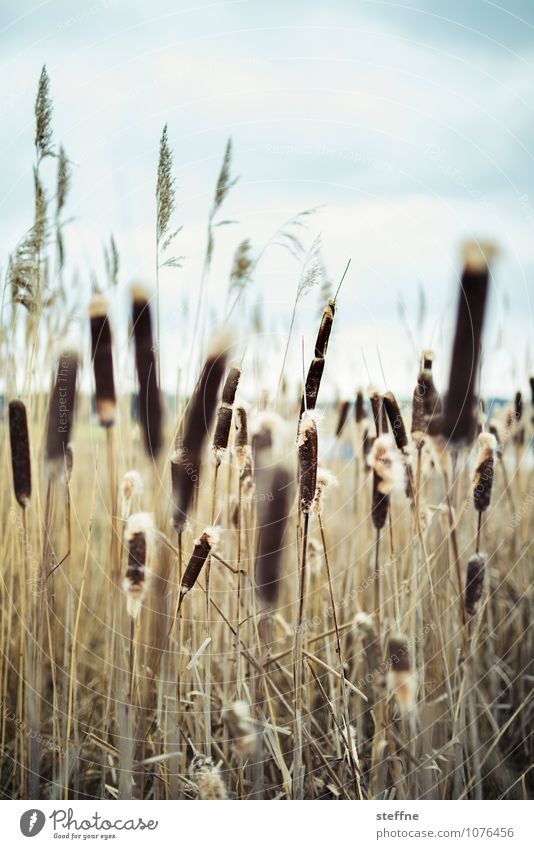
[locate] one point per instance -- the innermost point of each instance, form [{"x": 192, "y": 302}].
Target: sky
[{"x": 408, "y": 126}]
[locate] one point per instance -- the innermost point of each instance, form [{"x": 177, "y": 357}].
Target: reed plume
[
  {"x": 149, "y": 399},
  {"x": 241, "y": 728},
  {"x": 102, "y": 357},
  {"x": 20, "y": 452},
  {"x": 207, "y": 776}
]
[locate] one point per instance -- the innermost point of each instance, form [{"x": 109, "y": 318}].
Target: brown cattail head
[
  {"x": 242, "y": 447},
  {"x": 427, "y": 360},
  {"x": 20, "y": 452},
  {"x": 266, "y": 431},
  {"x": 207, "y": 776},
  {"x": 367, "y": 445},
  {"x": 139, "y": 536},
  {"x": 531, "y": 383},
  {"x": 400, "y": 676},
  {"x": 61, "y": 409},
  {"x": 474, "y": 584},
  {"x": 459, "y": 420},
  {"x": 343, "y": 412},
  {"x": 323, "y": 336},
  {"x": 150, "y": 406},
  {"x": 308, "y": 454},
  {"x": 69, "y": 464},
  {"x": 273, "y": 510},
  {"x": 222, "y": 431},
  {"x": 102, "y": 357},
  {"x": 202, "y": 548},
  {"x": 373, "y": 654},
  {"x": 185, "y": 466},
  {"x": 376, "y": 408},
  {"x": 224, "y": 413},
  {"x": 241, "y": 728},
  {"x": 359, "y": 407},
  {"x": 230, "y": 386},
  {"x": 484, "y": 471},
  {"x": 495, "y": 430},
  {"x": 313, "y": 383},
  {"x": 387, "y": 475},
  {"x": 518, "y": 406},
  {"x": 395, "y": 419}
]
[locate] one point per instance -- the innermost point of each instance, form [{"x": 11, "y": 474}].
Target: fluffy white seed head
[
  {"x": 385, "y": 461},
  {"x": 131, "y": 489}
]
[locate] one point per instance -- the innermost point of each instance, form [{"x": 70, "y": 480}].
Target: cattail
[
  {"x": 495, "y": 430},
  {"x": 266, "y": 432},
  {"x": 102, "y": 357},
  {"x": 150, "y": 407},
  {"x": 373, "y": 653},
  {"x": 313, "y": 383},
  {"x": 241, "y": 728},
  {"x": 323, "y": 336},
  {"x": 20, "y": 452},
  {"x": 474, "y": 584},
  {"x": 242, "y": 447},
  {"x": 484, "y": 471},
  {"x": 344, "y": 408},
  {"x": 139, "y": 536},
  {"x": 367, "y": 445},
  {"x": 531, "y": 382},
  {"x": 222, "y": 431},
  {"x": 428, "y": 360},
  {"x": 401, "y": 680},
  {"x": 131, "y": 489},
  {"x": 207, "y": 776},
  {"x": 224, "y": 413},
  {"x": 387, "y": 474},
  {"x": 308, "y": 449},
  {"x": 518, "y": 406},
  {"x": 69, "y": 464},
  {"x": 61, "y": 408},
  {"x": 186, "y": 463},
  {"x": 273, "y": 513},
  {"x": 359, "y": 408},
  {"x": 230, "y": 386},
  {"x": 376, "y": 408},
  {"x": 202, "y": 548},
  {"x": 519, "y": 436},
  {"x": 395, "y": 419},
  {"x": 325, "y": 480},
  {"x": 459, "y": 421}
]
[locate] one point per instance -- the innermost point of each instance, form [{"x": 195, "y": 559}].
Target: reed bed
[{"x": 256, "y": 597}]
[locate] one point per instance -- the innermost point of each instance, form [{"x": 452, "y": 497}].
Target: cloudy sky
[{"x": 408, "y": 123}]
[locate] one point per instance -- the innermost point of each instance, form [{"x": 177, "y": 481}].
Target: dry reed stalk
[
  {"x": 459, "y": 420},
  {"x": 150, "y": 407}
]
